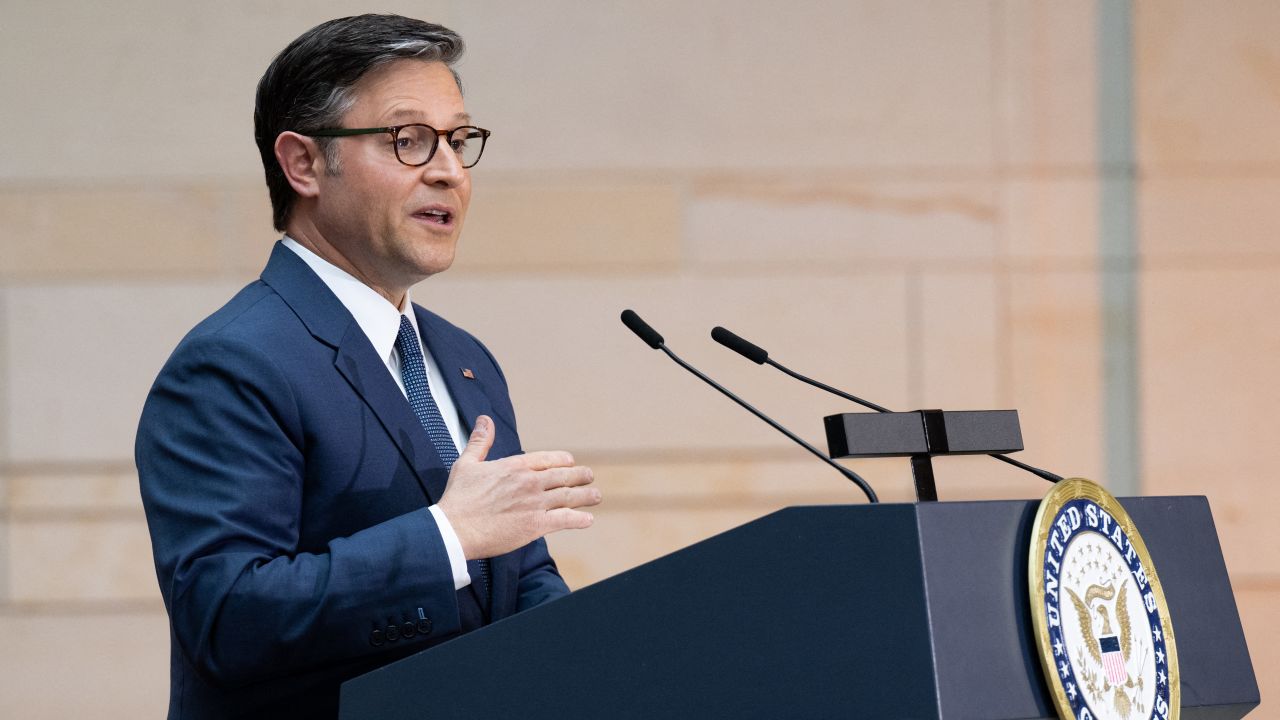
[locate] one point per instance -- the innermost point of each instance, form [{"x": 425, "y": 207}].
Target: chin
[
  {"x": 425, "y": 254},
  {"x": 434, "y": 260}
]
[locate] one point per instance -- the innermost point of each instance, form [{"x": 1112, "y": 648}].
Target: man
[{"x": 331, "y": 475}]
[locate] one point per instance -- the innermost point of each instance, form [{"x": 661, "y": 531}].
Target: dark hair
[{"x": 308, "y": 86}]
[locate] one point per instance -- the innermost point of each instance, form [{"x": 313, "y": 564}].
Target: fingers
[
  {"x": 563, "y": 486},
  {"x": 498, "y": 505},
  {"x": 571, "y": 497},
  {"x": 546, "y": 459},
  {"x": 570, "y": 476},
  {"x": 568, "y": 519},
  {"x": 481, "y": 440}
]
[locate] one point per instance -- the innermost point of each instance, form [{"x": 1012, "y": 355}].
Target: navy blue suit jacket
[{"x": 286, "y": 482}]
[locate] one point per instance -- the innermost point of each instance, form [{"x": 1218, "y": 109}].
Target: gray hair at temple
[{"x": 309, "y": 85}]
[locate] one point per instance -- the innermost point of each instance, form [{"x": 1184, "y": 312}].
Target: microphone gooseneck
[
  {"x": 743, "y": 347},
  {"x": 654, "y": 340},
  {"x": 758, "y": 355}
]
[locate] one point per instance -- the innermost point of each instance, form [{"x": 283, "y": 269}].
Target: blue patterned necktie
[{"x": 414, "y": 373}]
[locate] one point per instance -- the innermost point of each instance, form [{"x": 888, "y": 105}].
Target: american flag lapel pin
[{"x": 466, "y": 373}]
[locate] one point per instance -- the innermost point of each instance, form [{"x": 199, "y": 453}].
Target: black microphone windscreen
[
  {"x": 641, "y": 328},
  {"x": 748, "y": 350}
]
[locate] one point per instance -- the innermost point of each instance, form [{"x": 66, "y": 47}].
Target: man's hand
[{"x": 498, "y": 506}]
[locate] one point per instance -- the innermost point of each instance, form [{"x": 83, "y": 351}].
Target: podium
[{"x": 873, "y": 611}]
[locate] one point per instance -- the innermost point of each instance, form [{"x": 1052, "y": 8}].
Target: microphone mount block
[{"x": 922, "y": 435}]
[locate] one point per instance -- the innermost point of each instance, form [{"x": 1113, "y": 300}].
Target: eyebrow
[{"x": 416, "y": 116}]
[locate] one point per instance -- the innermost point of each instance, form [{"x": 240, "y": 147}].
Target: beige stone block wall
[
  {"x": 828, "y": 223},
  {"x": 1056, "y": 343},
  {"x": 1257, "y": 602},
  {"x": 899, "y": 198},
  {"x": 58, "y": 232},
  {"x": 959, "y": 328},
  {"x": 145, "y": 89},
  {"x": 1209, "y": 73},
  {"x": 1210, "y": 161},
  {"x": 84, "y": 661},
  {"x": 76, "y": 379},
  {"x": 529, "y": 224},
  {"x": 669, "y": 85},
  {"x": 1050, "y": 221},
  {"x": 1210, "y": 217},
  {"x": 581, "y": 380},
  {"x": 1046, "y": 70}
]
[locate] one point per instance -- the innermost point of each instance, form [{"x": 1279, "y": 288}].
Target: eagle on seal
[{"x": 1105, "y": 646}]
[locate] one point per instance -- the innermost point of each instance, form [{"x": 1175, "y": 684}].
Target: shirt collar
[{"x": 378, "y": 318}]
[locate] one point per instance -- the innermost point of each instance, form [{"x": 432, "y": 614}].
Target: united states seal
[{"x": 1102, "y": 626}]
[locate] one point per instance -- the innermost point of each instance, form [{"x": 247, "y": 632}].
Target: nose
[{"x": 445, "y": 168}]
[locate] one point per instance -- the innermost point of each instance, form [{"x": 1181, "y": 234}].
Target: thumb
[{"x": 481, "y": 440}]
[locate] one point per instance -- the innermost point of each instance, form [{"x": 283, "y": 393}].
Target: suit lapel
[
  {"x": 330, "y": 322},
  {"x": 368, "y": 376},
  {"x": 467, "y": 392}
]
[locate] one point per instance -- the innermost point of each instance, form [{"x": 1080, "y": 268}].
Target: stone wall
[{"x": 911, "y": 200}]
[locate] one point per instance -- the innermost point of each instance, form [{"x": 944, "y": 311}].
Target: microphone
[
  {"x": 641, "y": 328},
  {"x": 654, "y": 340},
  {"x": 759, "y": 356}
]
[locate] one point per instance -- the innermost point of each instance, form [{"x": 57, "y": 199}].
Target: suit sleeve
[
  {"x": 220, "y": 461},
  {"x": 540, "y": 580}
]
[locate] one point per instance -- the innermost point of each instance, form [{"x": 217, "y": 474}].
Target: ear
[{"x": 302, "y": 161}]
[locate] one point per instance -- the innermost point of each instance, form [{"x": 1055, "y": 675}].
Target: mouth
[{"x": 439, "y": 216}]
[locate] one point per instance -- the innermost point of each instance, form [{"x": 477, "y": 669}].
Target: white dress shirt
[{"x": 380, "y": 321}]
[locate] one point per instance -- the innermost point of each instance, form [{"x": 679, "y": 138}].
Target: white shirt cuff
[{"x": 453, "y": 546}]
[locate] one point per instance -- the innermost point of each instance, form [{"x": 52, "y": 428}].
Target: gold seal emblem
[{"x": 1102, "y": 626}]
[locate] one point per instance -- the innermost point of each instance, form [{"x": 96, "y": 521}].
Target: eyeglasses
[{"x": 415, "y": 144}]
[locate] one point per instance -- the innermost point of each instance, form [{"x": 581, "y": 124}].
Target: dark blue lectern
[{"x": 888, "y": 611}]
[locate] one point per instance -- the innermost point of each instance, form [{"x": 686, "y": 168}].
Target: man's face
[{"x": 383, "y": 217}]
